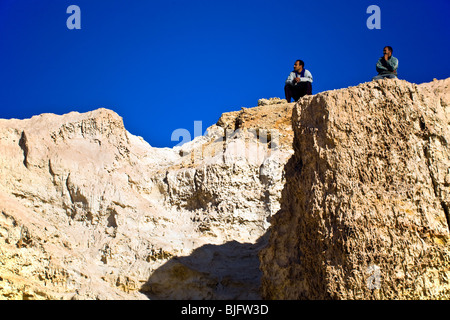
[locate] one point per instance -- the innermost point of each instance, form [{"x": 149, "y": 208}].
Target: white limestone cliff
[{"x": 89, "y": 210}]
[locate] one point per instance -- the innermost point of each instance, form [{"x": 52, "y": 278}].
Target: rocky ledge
[
  {"x": 343, "y": 195},
  {"x": 365, "y": 209}
]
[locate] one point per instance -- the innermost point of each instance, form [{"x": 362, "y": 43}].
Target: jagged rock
[
  {"x": 265, "y": 102},
  {"x": 90, "y": 211},
  {"x": 365, "y": 209}
]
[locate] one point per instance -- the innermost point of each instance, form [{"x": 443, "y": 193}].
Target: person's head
[
  {"x": 299, "y": 65},
  {"x": 388, "y": 50}
]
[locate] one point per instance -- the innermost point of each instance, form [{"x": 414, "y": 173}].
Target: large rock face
[
  {"x": 87, "y": 210},
  {"x": 357, "y": 204},
  {"x": 365, "y": 208}
]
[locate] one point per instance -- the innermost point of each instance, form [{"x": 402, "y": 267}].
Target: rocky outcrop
[
  {"x": 344, "y": 195},
  {"x": 90, "y": 211},
  {"x": 365, "y": 209}
]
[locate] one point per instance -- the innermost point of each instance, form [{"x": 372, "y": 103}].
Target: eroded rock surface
[
  {"x": 90, "y": 211},
  {"x": 365, "y": 209},
  {"x": 357, "y": 203}
]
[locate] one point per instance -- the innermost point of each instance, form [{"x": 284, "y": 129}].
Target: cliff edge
[
  {"x": 343, "y": 195},
  {"x": 365, "y": 209}
]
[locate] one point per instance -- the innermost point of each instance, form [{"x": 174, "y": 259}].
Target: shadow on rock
[{"x": 217, "y": 272}]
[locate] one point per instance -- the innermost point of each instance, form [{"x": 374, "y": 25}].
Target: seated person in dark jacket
[
  {"x": 387, "y": 65},
  {"x": 299, "y": 82}
]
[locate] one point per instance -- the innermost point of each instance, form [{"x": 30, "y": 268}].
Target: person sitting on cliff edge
[
  {"x": 387, "y": 65},
  {"x": 299, "y": 82}
]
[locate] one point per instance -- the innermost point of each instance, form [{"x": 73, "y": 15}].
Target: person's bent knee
[{"x": 377, "y": 78}]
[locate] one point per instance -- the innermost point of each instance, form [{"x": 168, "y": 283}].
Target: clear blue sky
[{"x": 163, "y": 64}]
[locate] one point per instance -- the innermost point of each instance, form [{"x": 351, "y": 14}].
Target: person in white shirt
[{"x": 299, "y": 82}]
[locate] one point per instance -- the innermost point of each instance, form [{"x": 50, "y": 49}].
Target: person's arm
[
  {"x": 392, "y": 64},
  {"x": 381, "y": 66},
  {"x": 290, "y": 79},
  {"x": 307, "y": 77}
]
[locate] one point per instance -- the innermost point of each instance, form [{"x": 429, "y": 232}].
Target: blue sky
[{"x": 163, "y": 64}]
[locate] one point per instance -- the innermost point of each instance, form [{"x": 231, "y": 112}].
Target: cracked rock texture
[
  {"x": 365, "y": 209},
  {"x": 90, "y": 211},
  {"x": 343, "y": 195}
]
